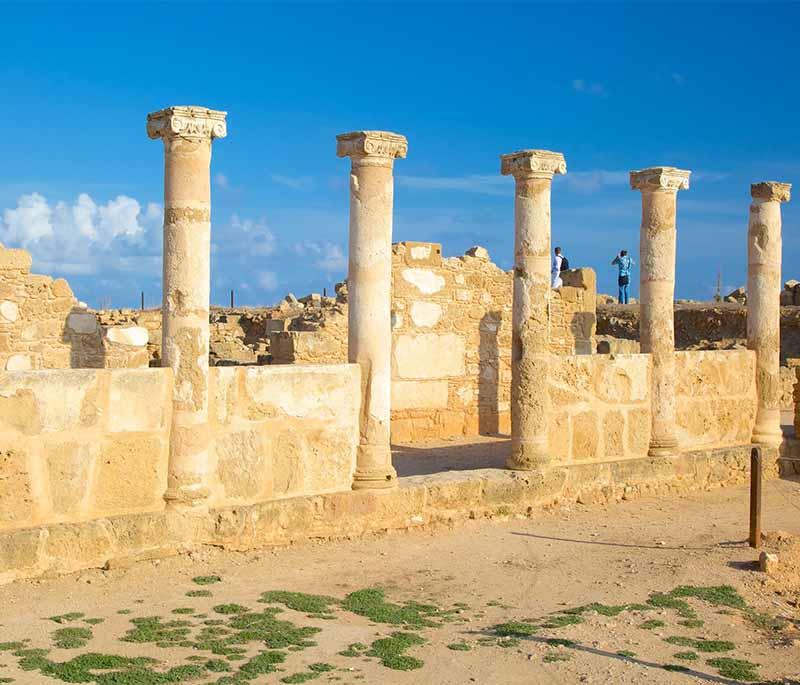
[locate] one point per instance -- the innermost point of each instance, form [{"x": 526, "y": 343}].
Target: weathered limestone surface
[
  {"x": 420, "y": 501},
  {"x": 187, "y": 133},
  {"x": 282, "y": 431},
  {"x": 659, "y": 187},
  {"x": 600, "y": 407},
  {"x": 763, "y": 314},
  {"x": 716, "y": 398},
  {"x": 80, "y": 444},
  {"x": 42, "y": 325},
  {"x": 372, "y": 155},
  {"x": 533, "y": 172}
]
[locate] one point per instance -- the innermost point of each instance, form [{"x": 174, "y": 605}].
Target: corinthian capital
[
  {"x": 193, "y": 123},
  {"x": 771, "y": 191},
  {"x": 533, "y": 164},
  {"x": 378, "y": 144},
  {"x": 660, "y": 178}
]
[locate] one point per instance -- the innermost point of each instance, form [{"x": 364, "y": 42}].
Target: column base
[
  {"x": 768, "y": 438},
  {"x": 375, "y": 480},
  {"x": 187, "y": 496},
  {"x": 528, "y": 456},
  {"x": 663, "y": 448}
]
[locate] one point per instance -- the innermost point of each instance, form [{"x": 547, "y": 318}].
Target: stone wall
[
  {"x": 82, "y": 444},
  {"x": 43, "y": 326},
  {"x": 282, "y": 431},
  {"x": 600, "y": 407},
  {"x": 716, "y": 398}
]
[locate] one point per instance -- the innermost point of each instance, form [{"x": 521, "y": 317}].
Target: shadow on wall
[
  {"x": 489, "y": 374},
  {"x": 83, "y": 334}
]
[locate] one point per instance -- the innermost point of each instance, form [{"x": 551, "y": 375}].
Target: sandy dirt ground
[{"x": 519, "y": 574}]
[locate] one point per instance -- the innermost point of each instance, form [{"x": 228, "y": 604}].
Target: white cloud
[
  {"x": 268, "y": 280},
  {"x": 222, "y": 181},
  {"x": 252, "y": 233},
  {"x": 581, "y": 86},
  {"x": 293, "y": 182},
  {"x": 30, "y": 221},
  {"x": 327, "y": 256}
]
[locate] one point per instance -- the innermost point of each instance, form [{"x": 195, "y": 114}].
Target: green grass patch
[
  {"x": 321, "y": 667},
  {"x": 71, "y": 638},
  {"x": 320, "y": 605},
  {"x": 552, "y": 657},
  {"x": 125, "y": 611},
  {"x": 153, "y": 629},
  {"x": 94, "y": 621},
  {"x": 515, "y": 629},
  {"x": 265, "y": 662},
  {"x": 372, "y": 603},
  {"x": 67, "y": 618},
  {"x": 560, "y": 642},
  {"x": 686, "y": 656},
  {"x": 736, "y": 669},
  {"x": 11, "y": 646},
  {"x": 652, "y": 624},
  {"x": 507, "y": 642},
  {"x": 459, "y": 646},
  {"x": 300, "y": 677},
  {"x": 391, "y": 651},
  {"x": 206, "y": 580},
  {"x": 700, "y": 644},
  {"x": 717, "y": 595},
  {"x": 230, "y": 609},
  {"x": 602, "y": 609},
  {"x": 199, "y": 593},
  {"x": 183, "y": 610},
  {"x": 561, "y": 620},
  {"x": 692, "y": 623},
  {"x": 626, "y": 653},
  {"x": 660, "y": 600},
  {"x": 355, "y": 649}
]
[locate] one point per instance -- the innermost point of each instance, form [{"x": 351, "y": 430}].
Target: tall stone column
[
  {"x": 659, "y": 186},
  {"x": 187, "y": 133},
  {"x": 763, "y": 304},
  {"x": 533, "y": 172},
  {"x": 369, "y": 287}
]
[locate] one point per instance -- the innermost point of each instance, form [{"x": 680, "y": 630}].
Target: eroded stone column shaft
[
  {"x": 369, "y": 284},
  {"x": 530, "y": 336},
  {"x": 187, "y": 133},
  {"x": 763, "y": 304},
  {"x": 659, "y": 186}
]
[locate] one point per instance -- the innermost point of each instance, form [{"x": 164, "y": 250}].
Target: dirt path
[{"x": 521, "y": 575}]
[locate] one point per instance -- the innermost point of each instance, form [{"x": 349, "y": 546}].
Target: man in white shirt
[{"x": 555, "y": 270}]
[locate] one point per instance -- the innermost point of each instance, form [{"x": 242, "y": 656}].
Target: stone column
[
  {"x": 533, "y": 172},
  {"x": 369, "y": 285},
  {"x": 763, "y": 304},
  {"x": 187, "y": 133},
  {"x": 659, "y": 186}
]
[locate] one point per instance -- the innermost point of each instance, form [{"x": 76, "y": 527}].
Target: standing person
[
  {"x": 624, "y": 263},
  {"x": 560, "y": 263}
]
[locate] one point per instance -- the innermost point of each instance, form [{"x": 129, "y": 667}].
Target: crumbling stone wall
[
  {"x": 82, "y": 444},
  {"x": 43, "y": 326},
  {"x": 282, "y": 431},
  {"x": 716, "y": 398}
]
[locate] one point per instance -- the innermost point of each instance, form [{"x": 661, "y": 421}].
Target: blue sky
[{"x": 712, "y": 88}]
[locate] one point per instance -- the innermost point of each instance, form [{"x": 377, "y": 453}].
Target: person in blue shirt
[{"x": 624, "y": 263}]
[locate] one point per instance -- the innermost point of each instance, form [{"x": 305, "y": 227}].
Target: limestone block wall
[
  {"x": 451, "y": 360},
  {"x": 282, "y": 431},
  {"x": 42, "y": 325},
  {"x": 716, "y": 398},
  {"x": 600, "y": 407},
  {"x": 82, "y": 444}
]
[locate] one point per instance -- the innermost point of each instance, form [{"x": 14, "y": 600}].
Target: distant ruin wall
[
  {"x": 82, "y": 444},
  {"x": 42, "y": 325}
]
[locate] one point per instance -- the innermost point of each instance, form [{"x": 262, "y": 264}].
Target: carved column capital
[
  {"x": 190, "y": 123},
  {"x": 660, "y": 178},
  {"x": 372, "y": 147},
  {"x": 533, "y": 164},
  {"x": 771, "y": 191}
]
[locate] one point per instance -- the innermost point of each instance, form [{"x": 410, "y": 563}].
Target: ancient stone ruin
[{"x": 131, "y": 434}]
